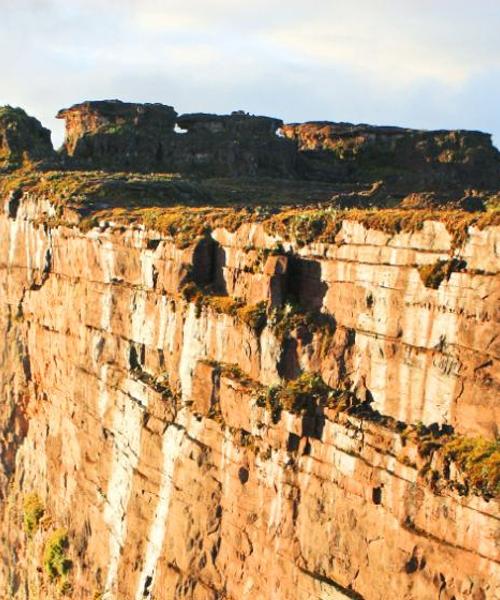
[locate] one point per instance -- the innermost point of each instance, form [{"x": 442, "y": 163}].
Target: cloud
[{"x": 415, "y": 62}]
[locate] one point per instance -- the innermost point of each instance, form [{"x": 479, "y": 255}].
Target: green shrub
[
  {"x": 433, "y": 275},
  {"x": 292, "y": 316},
  {"x": 32, "y": 514},
  {"x": 302, "y": 396},
  {"x": 55, "y": 561},
  {"x": 479, "y": 462},
  {"x": 254, "y": 315}
]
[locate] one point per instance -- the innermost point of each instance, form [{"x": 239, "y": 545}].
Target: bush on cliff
[
  {"x": 32, "y": 513},
  {"x": 55, "y": 561},
  {"x": 479, "y": 462},
  {"x": 433, "y": 275}
]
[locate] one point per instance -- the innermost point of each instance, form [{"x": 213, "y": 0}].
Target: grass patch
[
  {"x": 479, "y": 462},
  {"x": 323, "y": 225},
  {"x": 185, "y": 210},
  {"x": 253, "y": 315},
  {"x": 33, "y": 511},
  {"x": 301, "y": 396},
  {"x": 433, "y": 275},
  {"x": 291, "y": 316},
  {"x": 56, "y": 563}
]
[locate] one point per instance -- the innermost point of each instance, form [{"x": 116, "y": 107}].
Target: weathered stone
[
  {"x": 142, "y": 420},
  {"x": 22, "y": 138},
  {"x": 111, "y": 134},
  {"x": 416, "y": 159}
]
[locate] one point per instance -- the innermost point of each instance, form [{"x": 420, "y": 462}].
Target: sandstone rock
[
  {"x": 22, "y": 138},
  {"x": 420, "y": 159},
  {"x": 111, "y": 134},
  {"x": 233, "y": 145},
  {"x": 173, "y": 441}
]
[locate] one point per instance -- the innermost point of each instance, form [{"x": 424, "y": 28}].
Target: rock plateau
[{"x": 245, "y": 359}]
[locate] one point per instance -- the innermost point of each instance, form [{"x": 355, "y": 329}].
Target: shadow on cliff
[
  {"x": 306, "y": 289},
  {"x": 208, "y": 262}
]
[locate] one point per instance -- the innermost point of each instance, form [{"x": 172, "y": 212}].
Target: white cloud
[{"x": 418, "y": 62}]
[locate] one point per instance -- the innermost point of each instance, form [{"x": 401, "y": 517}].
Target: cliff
[
  {"x": 22, "y": 138},
  {"x": 151, "y": 137},
  {"x": 224, "y": 389}
]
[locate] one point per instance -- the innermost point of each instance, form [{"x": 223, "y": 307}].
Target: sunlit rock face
[
  {"x": 123, "y": 136},
  {"x": 135, "y": 413},
  {"x": 111, "y": 134},
  {"x": 416, "y": 159}
]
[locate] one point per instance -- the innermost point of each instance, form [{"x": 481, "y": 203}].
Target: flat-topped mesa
[
  {"x": 22, "y": 138},
  {"x": 341, "y": 150},
  {"x": 111, "y": 134},
  {"x": 115, "y": 135},
  {"x": 238, "y": 144},
  {"x": 237, "y": 121},
  {"x": 119, "y": 136}
]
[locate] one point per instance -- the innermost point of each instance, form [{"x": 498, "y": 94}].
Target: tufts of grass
[
  {"x": 479, "y": 462},
  {"x": 433, "y": 275},
  {"x": 302, "y": 396},
  {"x": 253, "y": 315},
  {"x": 291, "y": 316},
  {"x": 33, "y": 511},
  {"x": 322, "y": 225},
  {"x": 55, "y": 560}
]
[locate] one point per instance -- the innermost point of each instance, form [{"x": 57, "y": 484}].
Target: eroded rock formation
[
  {"x": 22, "y": 138},
  {"x": 413, "y": 158},
  {"x": 125, "y": 136},
  {"x": 111, "y": 134},
  {"x": 205, "y": 400}
]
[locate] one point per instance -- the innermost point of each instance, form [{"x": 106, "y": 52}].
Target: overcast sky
[{"x": 419, "y": 63}]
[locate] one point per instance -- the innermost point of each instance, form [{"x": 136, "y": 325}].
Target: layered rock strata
[
  {"x": 123, "y": 136},
  {"x": 142, "y": 417}
]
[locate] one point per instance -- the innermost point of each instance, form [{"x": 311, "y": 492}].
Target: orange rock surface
[{"x": 136, "y": 415}]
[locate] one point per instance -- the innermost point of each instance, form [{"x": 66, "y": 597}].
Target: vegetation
[
  {"x": 300, "y": 396},
  {"x": 187, "y": 209},
  {"x": 476, "y": 459},
  {"x": 55, "y": 561},
  {"x": 432, "y": 275},
  {"x": 11, "y": 112},
  {"x": 33, "y": 511},
  {"x": 292, "y": 316},
  {"x": 253, "y": 315},
  {"x": 323, "y": 225},
  {"x": 479, "y": 462}
]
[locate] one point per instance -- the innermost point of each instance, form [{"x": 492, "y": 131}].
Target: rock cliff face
[
  {"x": 111, "y": 134},
  {"x": 22, "y": 138},
  {"x": 414, "y": 158},
  {"x": 125, "y": 136},
  {"x": 204, "y": 401}
]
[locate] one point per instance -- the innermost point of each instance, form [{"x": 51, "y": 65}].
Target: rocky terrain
[{"x": 244, "y": 359}]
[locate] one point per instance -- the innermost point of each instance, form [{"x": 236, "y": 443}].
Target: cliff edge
[{"x": 249, "y": 376}]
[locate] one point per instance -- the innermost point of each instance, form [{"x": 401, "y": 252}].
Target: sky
[{"x": 418, "y": 63}]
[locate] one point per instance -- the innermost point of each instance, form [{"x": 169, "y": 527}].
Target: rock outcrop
[
  {"x": 227, "y": 383},
  {"x": 233, "y": 145},
  {"x": 22, "y": 138},
  {"x": 116, "y": 135},
  {"x": 122, "y": 136},
  {"x": 414, "y": 159},
  {"x": 110, "y": 134}
]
